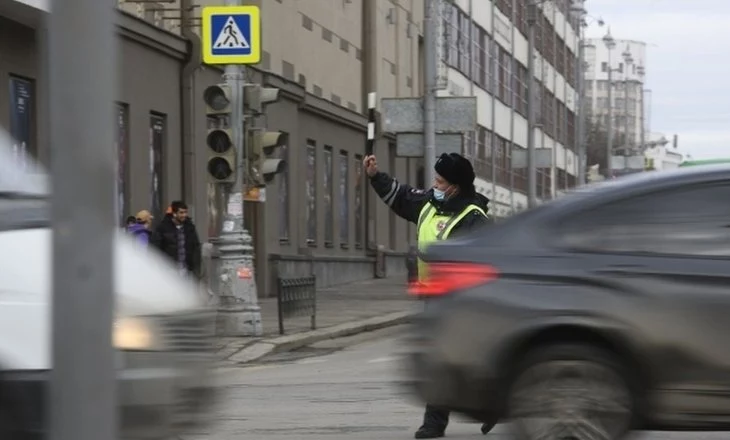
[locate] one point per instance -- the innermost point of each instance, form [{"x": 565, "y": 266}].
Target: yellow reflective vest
[{"x": 434, "y": 227}]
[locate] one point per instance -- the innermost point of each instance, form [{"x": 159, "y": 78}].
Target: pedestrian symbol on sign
[{"x": 231, "y": 37}]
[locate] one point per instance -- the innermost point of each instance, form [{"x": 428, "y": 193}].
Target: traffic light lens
[
  {"x": 216, "y": 99},
  {"x": 219, "y": 141},
  {"x": 219, "y": 168}
]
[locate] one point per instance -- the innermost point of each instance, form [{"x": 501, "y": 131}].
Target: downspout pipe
[{"x": 187, "y": 100}]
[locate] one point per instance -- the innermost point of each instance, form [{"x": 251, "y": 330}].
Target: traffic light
[
  {"x": 221, "y": 150},
  {"x": 263, "y": 144},
  {"x": 218, "y": 100},
  {"x": 256, "y": 97}
]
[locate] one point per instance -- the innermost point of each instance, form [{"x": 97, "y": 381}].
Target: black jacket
[
  {"x": 165, "y": 239},
  {"x": 407, "y": 203}
]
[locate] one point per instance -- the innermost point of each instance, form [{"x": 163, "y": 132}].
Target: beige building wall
[{"x": 320, "y": 43}]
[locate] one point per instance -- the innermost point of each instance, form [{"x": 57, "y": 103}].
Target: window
[
  {"x": 464, "y": 42},
  {"x": 158, "y": 137},
  {"x": 493, "y": 74},
  {"x": 344, "y": 200},
  {"x": 311, "y": 193},
  {"x": 687, "y": 221},
  {"x": 359, "y": 227},
  {"x": 451, "y": 34},
  {"x": 22, "y": 119},
  {"x": 121, "y": 146},
  {"x": 519, "y": 87},
  {"x": 284, "y": 197},
  {"x": 505, "y": 62},
  {"x": 479, "y": 64},
  {"x": 329, "y": 212},
  {"x": 604, "y": 67}
]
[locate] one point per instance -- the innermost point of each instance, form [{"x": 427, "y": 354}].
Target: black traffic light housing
[
  {"x": 222, "y": 158},
  {"x": 263, "y": 145}
]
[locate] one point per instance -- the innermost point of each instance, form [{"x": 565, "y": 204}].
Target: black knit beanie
[{"x": 457, "y": 170}]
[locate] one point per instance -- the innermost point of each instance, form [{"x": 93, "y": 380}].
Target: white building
[
  {"x": 628, "y": 86},
  {"x": 485, "y": 55},
  {"x": 662, "y": 153}
]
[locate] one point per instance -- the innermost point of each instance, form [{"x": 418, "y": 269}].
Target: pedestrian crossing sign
[{"x": 231, "y": 34}]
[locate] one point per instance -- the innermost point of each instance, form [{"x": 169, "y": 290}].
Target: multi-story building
[
  {"x": 485, "y": 53},
  {"x": 325, "y": 56},
  {"x": 626, "y": 61}
]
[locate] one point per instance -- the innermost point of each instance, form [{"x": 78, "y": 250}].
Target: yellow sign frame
[{"x": 208, "y": 39}]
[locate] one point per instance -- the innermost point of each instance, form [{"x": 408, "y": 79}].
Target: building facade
[
  {"x": 325, "y": 56},
  {"x": 485, "y": 53},
  {"x": 629, "y": 95}
]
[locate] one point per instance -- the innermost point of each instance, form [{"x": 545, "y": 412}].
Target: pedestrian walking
[
  {"x": 141, "y": 229},
  {"x": 451, "y": 207},
  {"x": 176, "y": 237}
]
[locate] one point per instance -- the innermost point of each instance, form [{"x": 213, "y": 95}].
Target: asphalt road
[{"x": 345, "y": 389}]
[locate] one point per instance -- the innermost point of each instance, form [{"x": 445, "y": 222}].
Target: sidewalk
[{"x": 341, "y": 310}]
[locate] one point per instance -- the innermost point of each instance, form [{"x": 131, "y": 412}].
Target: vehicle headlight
[{"x": 135, "y": 334}]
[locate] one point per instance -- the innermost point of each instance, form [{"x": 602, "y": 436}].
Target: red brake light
[{"x": 448, "y": 277}]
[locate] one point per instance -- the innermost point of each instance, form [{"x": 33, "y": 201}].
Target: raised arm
[{"x": 403, "y": 199}]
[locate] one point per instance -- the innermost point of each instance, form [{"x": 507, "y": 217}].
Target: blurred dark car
[{"x": 601, "y": 312}]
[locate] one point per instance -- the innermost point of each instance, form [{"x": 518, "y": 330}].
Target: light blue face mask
[{"x": 439, "y": 195}]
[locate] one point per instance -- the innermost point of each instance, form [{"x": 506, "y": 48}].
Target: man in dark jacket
[
  {"x": 451, "y": 206},
  {"x": 177, "y": 238}
]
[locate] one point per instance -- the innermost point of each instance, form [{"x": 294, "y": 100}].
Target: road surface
[{"x": 328, "y": 392}]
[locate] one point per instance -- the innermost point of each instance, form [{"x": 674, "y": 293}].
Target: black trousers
[{"x": 436, "y": 418}]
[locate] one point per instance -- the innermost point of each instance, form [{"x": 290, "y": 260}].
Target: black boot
[
  {"x": 429, "y": 432},
  {"x": 486, "y": 427}
]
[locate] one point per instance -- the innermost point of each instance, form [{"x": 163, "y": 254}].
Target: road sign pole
[
  {"x": 238, "y": 311},
  {"x": 82, "y": 400},
  {"x": 429, "y": 97}
]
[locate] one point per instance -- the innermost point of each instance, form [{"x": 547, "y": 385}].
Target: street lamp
[{"x": 610, "y": 45}]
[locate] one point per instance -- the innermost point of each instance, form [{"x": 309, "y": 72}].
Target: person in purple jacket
[{"x": 142, "y": 229}]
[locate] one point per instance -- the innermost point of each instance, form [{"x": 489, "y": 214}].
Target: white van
[{"x": 162, "y": 330}]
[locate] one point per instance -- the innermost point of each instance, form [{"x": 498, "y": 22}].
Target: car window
[{"x": 688, "y": 221}]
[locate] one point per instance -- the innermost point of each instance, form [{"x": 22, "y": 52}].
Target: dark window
[
  {"x": 157, "y": 147},
  {"x": 688, "y": 221},
  {"x": 329, "y": 212},
  {"x": 22, "y": 119},
  {"x": 359, "y": 226},
  {"x": 344, "y": 199},
  {"x": 311, "y": 193},
  {"x": 505, "y": 64},
  {"x": 121, "y": 145},
  {"x": 284, "y": 196}
]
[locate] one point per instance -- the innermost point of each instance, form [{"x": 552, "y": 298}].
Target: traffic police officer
[{"x": 452, "y": 206}]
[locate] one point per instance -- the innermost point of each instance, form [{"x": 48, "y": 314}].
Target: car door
[{"x": 664, "y": 259}]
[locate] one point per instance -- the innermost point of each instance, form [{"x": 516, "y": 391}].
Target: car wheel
[{"x": 570, "y": 392}]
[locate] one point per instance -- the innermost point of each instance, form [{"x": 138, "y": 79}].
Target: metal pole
[
  {"x": 429, "y": 97},
  {"x": 609, "y": 143},
  {"x": 531, "y": 165},
  {"x": 643, "y": 123},
  {"x": 83, "y": 401},
  {"x": 238, "y": 311},
  {"x": 626, "y": 111},
  {"x": 580, "y": 123}
]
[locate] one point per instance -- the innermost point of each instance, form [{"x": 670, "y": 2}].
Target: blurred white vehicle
[{"x": 161, "y": 331}]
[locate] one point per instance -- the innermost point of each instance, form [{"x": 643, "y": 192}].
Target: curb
[{"x": 279, "y": 344}]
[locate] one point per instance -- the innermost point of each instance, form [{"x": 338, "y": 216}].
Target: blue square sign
[{"x": 231, "y": 35}]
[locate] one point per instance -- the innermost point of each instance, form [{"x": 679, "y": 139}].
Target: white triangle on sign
[{"x": 231, "y": 37}]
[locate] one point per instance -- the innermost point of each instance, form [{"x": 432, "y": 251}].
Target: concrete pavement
[
  {"x": 324, "y": 393},
  {"x": 341, "y": 311}
]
